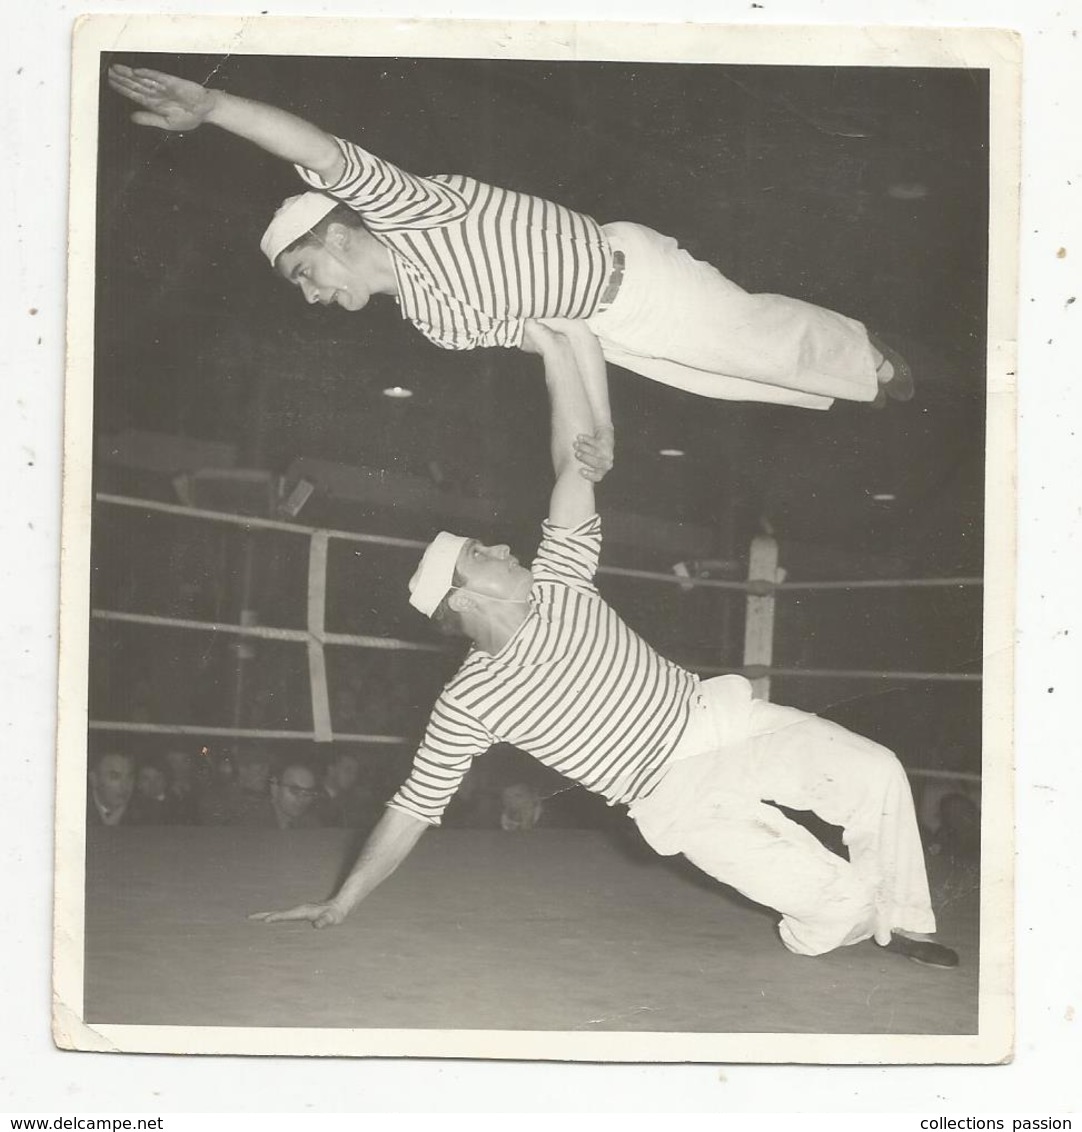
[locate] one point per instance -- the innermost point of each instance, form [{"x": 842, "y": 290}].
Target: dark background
[{"x": 861, "y": 189}]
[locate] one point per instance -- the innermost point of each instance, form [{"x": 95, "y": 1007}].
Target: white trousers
[
  {"x": 711, "y": 806},
  {"x": 679, "y": 321}
]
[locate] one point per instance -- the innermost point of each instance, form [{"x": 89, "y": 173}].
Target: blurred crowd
[
  {"x": 345, "y": 789},
  {"x": 247, "y": 789},
  {"x": 348, "y": 790}
]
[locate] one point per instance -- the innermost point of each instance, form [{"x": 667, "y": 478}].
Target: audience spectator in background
[
  {"x": 183, "y": 785},
  {"x": 151, "y": 803},
  {"x": 293, "y": 790},
  {"x": 111, "y": 786},
  {"x": 346, "y": 801},
  {"x": 950, "y": 815},
  {"x": 521, "y": 807},
  {"x": 238, "y": 794}
]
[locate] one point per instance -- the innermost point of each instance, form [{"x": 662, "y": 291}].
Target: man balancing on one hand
[
  {"x": 469, "y": 263},
  {"x": 555, "y": 672}
]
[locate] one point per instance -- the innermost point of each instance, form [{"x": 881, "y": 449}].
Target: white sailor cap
[
  {"x": 434, "y": 577},
  {"x": 295, "y": 216}
]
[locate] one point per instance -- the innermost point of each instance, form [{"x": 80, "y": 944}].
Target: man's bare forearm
[
  {"x": 591, "y": 366},
  {"x": 569, "y": 404},
  {"x": 390, "y": 843},
  {"x": 572, "y": 498},
  {"x": 278, "y": 132}
]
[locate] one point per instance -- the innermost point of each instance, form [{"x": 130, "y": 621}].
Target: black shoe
[
  {"x": 900, "y": 386},
  {"x": 923, "y": 951}
]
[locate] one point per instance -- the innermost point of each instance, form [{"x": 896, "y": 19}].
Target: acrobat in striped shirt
[
  {"x": 473, "y": 261},
  {"x": 574, "y": 687}
]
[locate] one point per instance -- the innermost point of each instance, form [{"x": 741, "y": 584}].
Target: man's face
[
  {"x": 113, "y": 780},
  {"x": 294, "y": 791},
  {"x": 344, "y": 773},
  {"x": 493, "y": 571},
  {"x": 150, "y": 782},
  {"x": 327, "y": 274},
  {"x": 252, "y": 774}
]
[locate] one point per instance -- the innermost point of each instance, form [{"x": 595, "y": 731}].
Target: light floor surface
[{"x": 544, "y": 930}]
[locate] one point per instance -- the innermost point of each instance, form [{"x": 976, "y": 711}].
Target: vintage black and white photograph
[{"x": 537, "y": 543}]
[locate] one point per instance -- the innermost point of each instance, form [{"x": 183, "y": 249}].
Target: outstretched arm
[
  {"x": 591, "y": 363},
  {"x": 595, "y": 450},
  {"x": 172, "y": 103},
  {"x": 578, "y": 458},
  {"x": 390, "y": 843}
]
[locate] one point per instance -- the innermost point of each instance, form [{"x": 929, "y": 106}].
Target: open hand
[
  {"x": 318, "y": 915},
  {"x": 168, "y": 103}
]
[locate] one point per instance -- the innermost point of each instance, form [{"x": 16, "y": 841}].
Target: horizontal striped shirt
[
  {"x": 574, "y": 687},
  {"x": 472, "y": 262}
]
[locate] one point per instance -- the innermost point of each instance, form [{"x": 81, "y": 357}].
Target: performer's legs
[
  {"x": 807, "y": 763},
  {"x": 721, "y": 387},
  {"x": 756, "y": 849},
  {"x": 712, "y": 807},
  {"x": 680, "y": 321}
]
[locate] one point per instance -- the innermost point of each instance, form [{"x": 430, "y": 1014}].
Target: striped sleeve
[
  {"x": 453, "y": 739},
  {"x": 386, "y": 196},
  {"x": 449, "y": 335},
  {"x": 569, "y": 555}
]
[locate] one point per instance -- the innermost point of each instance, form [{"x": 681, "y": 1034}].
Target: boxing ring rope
[
  {"x": 265, "y": 632},
  {"x": 753, "y": 586},
  {"x": 756, "y": 671},
  {"x": 766, "y": 581},
  {"x": 762, "y": 587}
]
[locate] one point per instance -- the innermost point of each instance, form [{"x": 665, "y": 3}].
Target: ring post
[
  {"x": 317, "y": 615},
  {"x": 759, "y": 618}
]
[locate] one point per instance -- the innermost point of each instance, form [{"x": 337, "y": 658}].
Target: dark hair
[{"x": 316, "y": 236}]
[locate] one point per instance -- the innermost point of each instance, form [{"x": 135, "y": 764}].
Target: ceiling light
[
  {"x": 399, "y": 392},
  {"x": 884, "y": 497},
  {"x": 671, "y": 452},
  {"x": 908, "y": 190}
]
